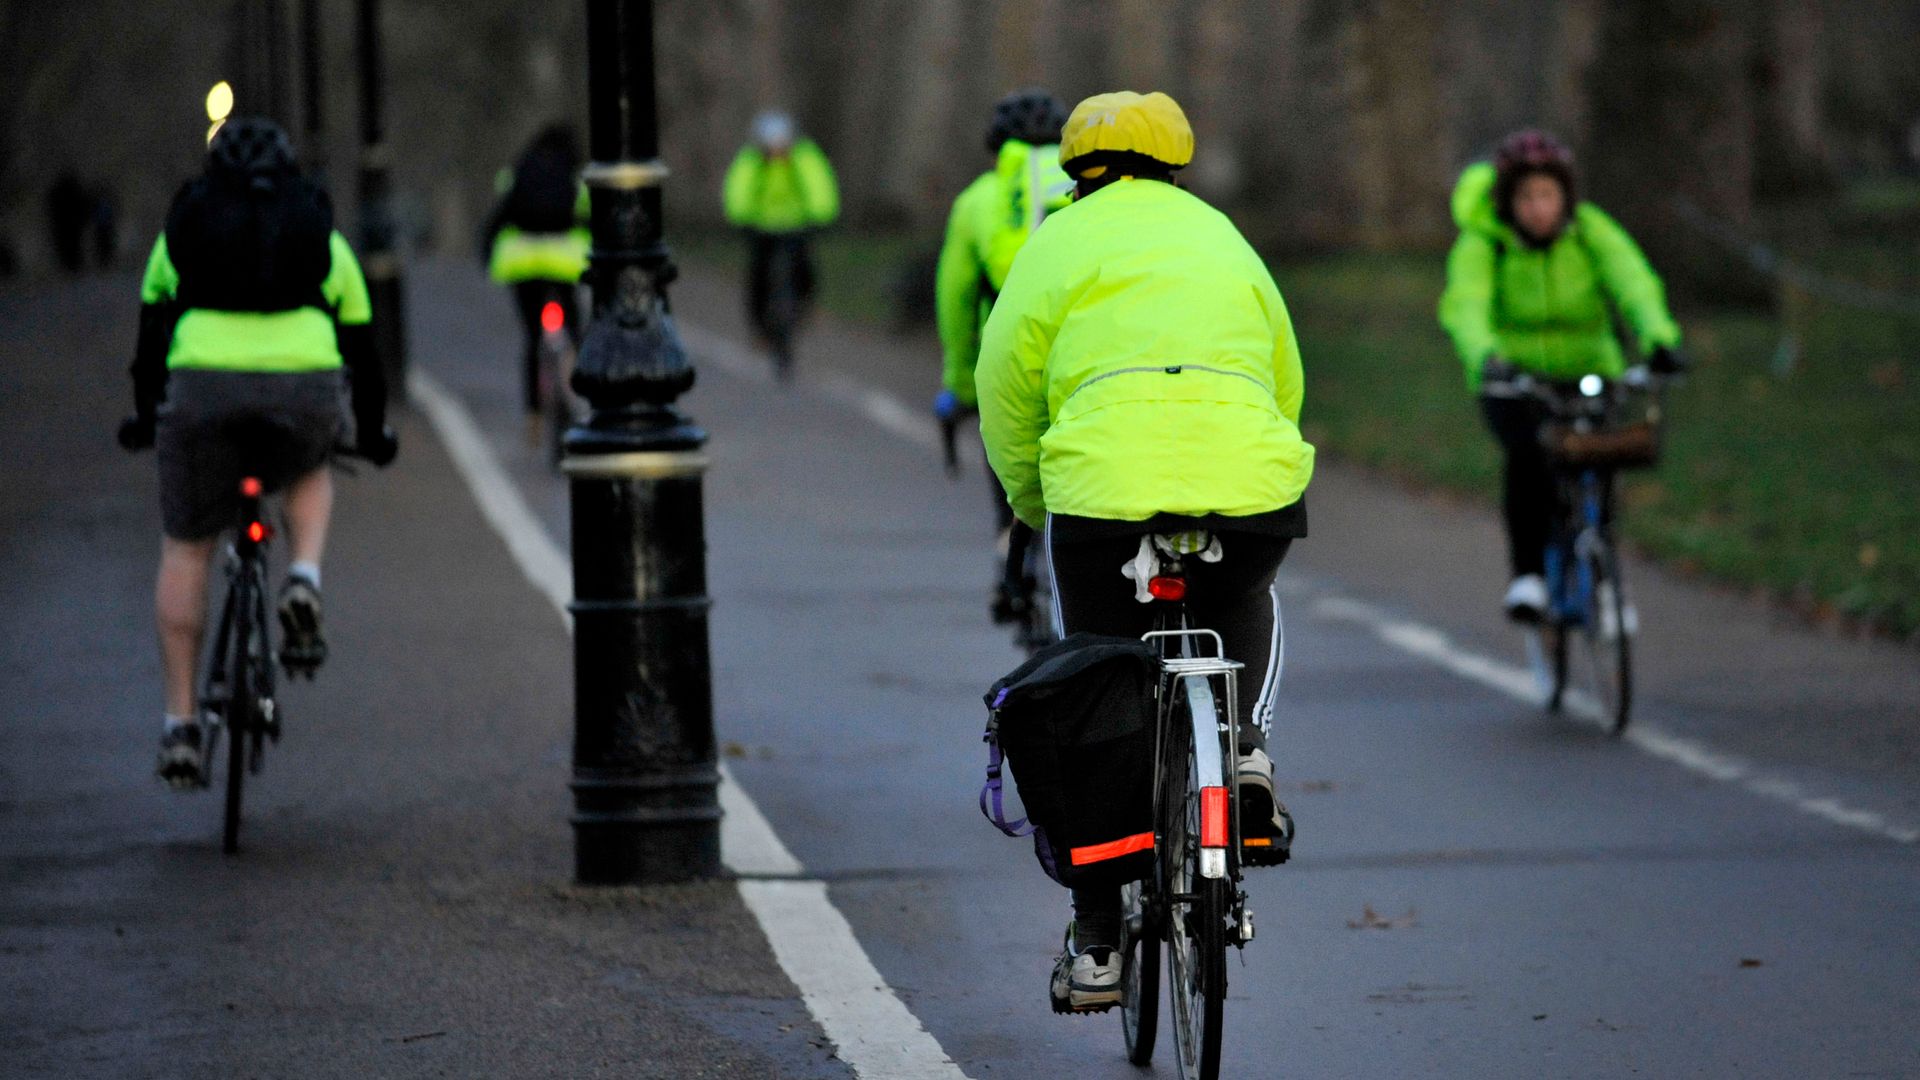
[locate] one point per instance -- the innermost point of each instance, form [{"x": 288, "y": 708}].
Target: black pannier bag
[{"x": 1076, "y": 724}]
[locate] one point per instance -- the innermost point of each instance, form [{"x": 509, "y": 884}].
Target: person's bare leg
[
  {"x": 309, "y": 510},
  {"x": 180, "y": 607}
]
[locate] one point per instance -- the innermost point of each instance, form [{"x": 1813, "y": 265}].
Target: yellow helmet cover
[{"x": 1152, "y": 125}]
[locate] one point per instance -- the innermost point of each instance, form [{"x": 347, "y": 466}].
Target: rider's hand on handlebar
[
  {"x": 946, "y": 405},
  {"x": 1667, "y": 361},
  {"x": 136, "y": 432},
  {"x": 1495, "y": 372},
  {"x": 377, "y": 443}
]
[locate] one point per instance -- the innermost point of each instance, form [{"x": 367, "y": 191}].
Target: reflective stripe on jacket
[
  {"x": 279, "y": 342},
  {"x": 1548, "y": 310},
  {"x": 1140, "y": 361},
  {"x": 781, "y": 194}
]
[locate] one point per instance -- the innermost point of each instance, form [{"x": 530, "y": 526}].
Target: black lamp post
[
  {"x": 645, "y": 779},
  {"x": 377, "y": 229}
]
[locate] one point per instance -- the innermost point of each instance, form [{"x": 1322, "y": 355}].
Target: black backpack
[{"x": 1076, "y": 726}]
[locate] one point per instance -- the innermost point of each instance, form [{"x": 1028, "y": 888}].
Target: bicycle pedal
[{"x": 1263, "y": 851}]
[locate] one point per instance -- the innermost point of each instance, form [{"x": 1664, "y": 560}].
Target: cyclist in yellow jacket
[
  {"x": 990, "y": 222},
  {"x": 1532, "y": 285},
  {"x": 536, "y": 242},
  {"x": 251, "y": 307},
  {"x": 779, "y": 187},
  {"x": 1140, "y": 393}
]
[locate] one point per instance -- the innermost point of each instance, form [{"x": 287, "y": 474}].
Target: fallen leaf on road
[
  {"x": 1749, "y": 962},
  {"x": 1372, "y": 920},
  {"x": 734, "y": 749}
]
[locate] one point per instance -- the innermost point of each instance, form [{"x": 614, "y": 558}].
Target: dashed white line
[
  {"x": 1515, "y": 682},
  {"x": 873, "y": 1032}
]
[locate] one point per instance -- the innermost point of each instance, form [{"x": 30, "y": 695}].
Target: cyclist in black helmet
[
  {"x": 990, "y": 221},
  {"x": 251, "y": 308}
]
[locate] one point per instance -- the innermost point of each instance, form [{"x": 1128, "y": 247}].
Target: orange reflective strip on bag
[{"x": 1112, "y": 849}]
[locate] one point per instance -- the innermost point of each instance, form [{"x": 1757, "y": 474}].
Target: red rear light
[
  {"x": 1167, "y": 588},
  {"x": 250, "y": 487},
  {"x": 256, "y": 531},
  {"x": 553, "y": 317},
  {"x": 1213, "y": 817}
]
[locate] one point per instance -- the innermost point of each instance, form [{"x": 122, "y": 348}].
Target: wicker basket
[{"x": 1619, "y": 446}]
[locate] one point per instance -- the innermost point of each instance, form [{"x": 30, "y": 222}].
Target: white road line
[
  {"x": 887, "y": 412},
  {"x": 1515, "y": 682},
  {"x": 872, "y": 1030}
]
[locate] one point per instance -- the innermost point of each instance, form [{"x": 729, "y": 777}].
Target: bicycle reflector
[
  {"x": 1213, "y": 817},
  {"x": 1170, "y": 589},
  {"x": 256, "y": 531},
  {"x": 553, "y": 317},
  {"x": 250, "y": 487}
]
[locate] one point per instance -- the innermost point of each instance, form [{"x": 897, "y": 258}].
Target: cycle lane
[
  {"x": 1521, "y": 874},
  {"x": 401, "y": 906}
]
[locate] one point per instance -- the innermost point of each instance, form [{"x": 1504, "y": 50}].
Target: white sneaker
[
  {"x": 1526, "y": 600},
  {"x": 1095, "y": 980}
]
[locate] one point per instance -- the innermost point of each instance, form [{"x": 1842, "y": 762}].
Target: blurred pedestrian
[
  {"x": 1532, "y": 285},
  {"x": 251, "y": 305},
  {"x": 779, "y": 188},
  {"x": 536, "y": 243}
]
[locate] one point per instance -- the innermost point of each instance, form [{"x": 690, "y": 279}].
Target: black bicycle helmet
[
  {"x": 1032, "y": 116},
  {"x": 250, "y": 146}
]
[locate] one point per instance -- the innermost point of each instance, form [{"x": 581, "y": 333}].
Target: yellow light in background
[
  {"x": 214, "y": 129},
  {"x": 219, "y": 102}
]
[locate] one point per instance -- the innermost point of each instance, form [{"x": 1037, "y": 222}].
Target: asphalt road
[{"x": 1478, "y": 891}]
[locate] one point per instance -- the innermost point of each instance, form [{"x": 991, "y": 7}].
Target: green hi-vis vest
[
  {"x": 279, "y": 342},
  {"x": 782, "y": 194}
]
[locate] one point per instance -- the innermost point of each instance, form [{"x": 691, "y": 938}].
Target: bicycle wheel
[
  {"x": 240, "y": 707},
  {"x": 1196, "y": 924},
  {"x": 1140, "y": 979},
  {"x": 1609, "y": 637}
]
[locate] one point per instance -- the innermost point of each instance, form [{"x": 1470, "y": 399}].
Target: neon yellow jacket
[
  {"x": 1140, "y": 361},
  {"x": 781, "y": 194},
  {"x": 517, "y": 255},
  {"x": 1546, "y": 310},
  {"x": 279, "y": 342},
  {"x": 985, "y": 231}
]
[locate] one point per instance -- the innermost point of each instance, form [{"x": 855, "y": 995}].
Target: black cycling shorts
[{"x": 217, "y": 427}]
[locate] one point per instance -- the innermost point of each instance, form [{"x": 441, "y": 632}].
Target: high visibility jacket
[
  {"x": 788, "y": 193},
  {"x": 292, "y": 340},
  {"x": 1140, "y": 361},
  {"x": 1547, "y": 310},
  {"x": 522, "y": 250},
  {"x": 989, "y": 224}
]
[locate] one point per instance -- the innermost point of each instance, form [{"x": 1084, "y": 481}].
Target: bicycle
[
  {"x": 554, "y": 357},
  {"x": 1026, "y": 580},
  {"x": 1193, "y": 904},
  {"x": 1588, "y": 440},
  {"x": 238, "y": 695},
  {"x": 784, "y": 303}
]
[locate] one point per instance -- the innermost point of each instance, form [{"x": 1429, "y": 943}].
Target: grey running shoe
[
  {"x": 303, "y": 648},
  {"x": 1266, "y": 829},
  {"x": 181, "y": 764},
  {"x": 1085, "y": 981}
]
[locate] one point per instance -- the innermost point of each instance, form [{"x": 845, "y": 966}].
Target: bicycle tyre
[
  {"x": 1140, "y": 981},
  {"x": 240, "y": 707},
  {"x": 1612, "y": 653}
]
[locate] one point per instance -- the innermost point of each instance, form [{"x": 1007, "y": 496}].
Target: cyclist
[
  {"x": 1140, "y": 387},
  {"x": 990, "y": 221},
  {"x": 251, "y": 305},
  {"x": 536, "y": 242},
  {"x": 1531, "y": 285},
  {"x": 778, "y": 187}
]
